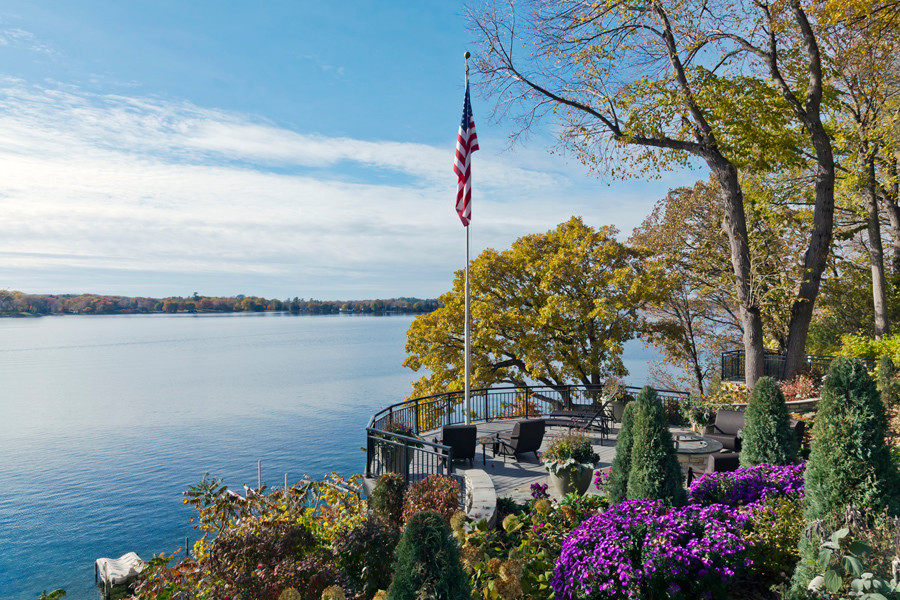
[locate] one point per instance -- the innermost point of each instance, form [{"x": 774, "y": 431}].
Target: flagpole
[{"x": 466, "y": 403}]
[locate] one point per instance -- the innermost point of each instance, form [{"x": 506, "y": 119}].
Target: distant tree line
[{"x": 13, "y": 303}]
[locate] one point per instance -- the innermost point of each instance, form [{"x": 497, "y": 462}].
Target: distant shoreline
[
  {"x": 387, "y": 313},
  {"x": 15, "y": 304}
]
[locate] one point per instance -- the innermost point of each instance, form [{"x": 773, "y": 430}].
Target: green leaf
[
  {"x": 851, "y": 564},
  {"x": 832, "y": 581},
  {"x": 857, "y": 548},
  {"x": 840, "y": 534}
]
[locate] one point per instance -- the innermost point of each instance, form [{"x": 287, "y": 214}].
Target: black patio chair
[
  {"x": 727, "y": 429},
  {"x": 798, "y": 428},
  {"x": 721, "y": 462},
  {"x": 526, "y": 436},
  {"x": 461, "y": 438}
]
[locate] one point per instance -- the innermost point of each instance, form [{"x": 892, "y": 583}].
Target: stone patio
[{"x": 513, "y": 479}]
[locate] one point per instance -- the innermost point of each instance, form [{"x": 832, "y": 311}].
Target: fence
[
  {"x": 415, "y": 458},
  {"x": 814, "y": 365}
]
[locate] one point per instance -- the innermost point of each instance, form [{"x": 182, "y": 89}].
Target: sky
[{"x": 263, "y": 148}]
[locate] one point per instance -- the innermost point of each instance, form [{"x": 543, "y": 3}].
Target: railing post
[
  {"x": 370, "y": 447},
  {"x": 448, "y": 410},
  {"x": 450, "y": 461},
  {"x": 417, "y": 416},
  {"x": 486, "y": 405},
  {"x": 405, "y": 462}
]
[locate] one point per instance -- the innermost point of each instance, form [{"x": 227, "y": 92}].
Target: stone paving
[{"x": 513, "y": 479}]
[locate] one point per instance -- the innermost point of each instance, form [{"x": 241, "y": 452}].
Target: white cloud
[
  {"x": 14, "y": 36},
  {"x": 115, "y": 184}
]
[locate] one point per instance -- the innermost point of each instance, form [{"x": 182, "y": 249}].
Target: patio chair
[
  {"x": 798, "y": 428},
  {"x": 462, "y": 439},
  {"x": 720, "y": 462},
  {"x": 526, "y": 436},
  {"x": 727, "y": 429}
]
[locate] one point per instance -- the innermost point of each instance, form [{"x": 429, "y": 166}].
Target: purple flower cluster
[
  {"x": 539, "y": 490},
  {"x": 601, "y": 478},
  {"x": 748, "y": 486},
  {"x": 641, "y": 549}
]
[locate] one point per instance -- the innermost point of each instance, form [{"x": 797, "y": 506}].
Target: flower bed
[
  {"x": 748, "y": 485},
  {"x": 642, "y": 549}
]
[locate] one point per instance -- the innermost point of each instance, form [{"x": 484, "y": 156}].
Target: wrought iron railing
[
  {"x": 413, "y": 458},
  {"x": 814, "y": 365},
  {"x": 385, "y": 451}
]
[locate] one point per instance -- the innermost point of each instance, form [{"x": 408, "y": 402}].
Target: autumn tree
[
  {"x": 864, "y": 70},
  {"x": 653, "y": 84},
  {"x": 700, "y": 318},
  {"x": 554, "y": 308}
]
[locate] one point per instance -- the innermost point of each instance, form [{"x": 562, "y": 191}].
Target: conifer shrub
[
  {"x": 888, "y": 383},
  {"x": 427, "y": 563},
  {"x": 767, "y": 437},
  {"x": 655, "y": 473},
  {"x": 849, "y": 462},
  {"x": 386, "y": 500},
  {"x": 617, "y": 484}
]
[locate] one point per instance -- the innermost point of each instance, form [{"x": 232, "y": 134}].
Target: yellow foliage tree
[{"x": 555, "y": 308}]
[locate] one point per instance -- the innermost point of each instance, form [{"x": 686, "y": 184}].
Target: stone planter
[
  {"x": 392, "y": 459},
  {"x": 572, "y": 480},
  {"x": 618, "y": 409}
]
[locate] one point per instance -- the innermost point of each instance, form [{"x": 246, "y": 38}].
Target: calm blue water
[{"x": 105, "y": 420}]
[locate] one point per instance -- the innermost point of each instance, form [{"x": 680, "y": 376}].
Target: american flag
[{"x": 466, "y": 144}]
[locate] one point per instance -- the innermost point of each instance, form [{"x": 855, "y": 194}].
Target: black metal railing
[
  {"x": 814, "y": 365},
  {"x": 385, "y": 451},
  {"x": 413, "y": 458}
]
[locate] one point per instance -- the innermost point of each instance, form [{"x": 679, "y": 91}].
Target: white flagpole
[{"x": 466, "y": 405}]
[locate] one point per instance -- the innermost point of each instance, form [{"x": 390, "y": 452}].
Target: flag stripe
[{"x": 466, "y": 144}]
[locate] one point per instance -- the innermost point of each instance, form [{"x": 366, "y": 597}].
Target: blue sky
[{"x": 269, "y": 148}]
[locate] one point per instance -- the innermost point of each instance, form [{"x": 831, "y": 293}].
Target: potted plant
[
  {"x": 392, "y": 454},
  {"x": 698, "y": 413},
  {"x": 570, "y": 460}
]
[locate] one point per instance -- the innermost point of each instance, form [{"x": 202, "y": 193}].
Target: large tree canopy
[
  {"x": 738, "y": 85},
  {"x": 554, "y": 308}
]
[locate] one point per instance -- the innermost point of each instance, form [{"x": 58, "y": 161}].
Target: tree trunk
[
  {"x": 735, "y": 225},
  {"x": 876, "y": 252},
  {"x": 891, "y": 198},
  {"x": 816, "y": 257}
]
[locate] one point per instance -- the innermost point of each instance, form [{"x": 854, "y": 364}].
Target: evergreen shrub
[
  {"x": 617, "y": 484},
  {"x": 888, "y": 383},
  {"x": 386, "y": 500},
  {"x": 655, "y": 472},
  {"x": 767, "y": 437},
  {"x": 428, "y": 563},
  {"x": 849, "y": 462}
]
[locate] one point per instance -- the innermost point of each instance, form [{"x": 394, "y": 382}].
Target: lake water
[{"x": 105, "y": 420}]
